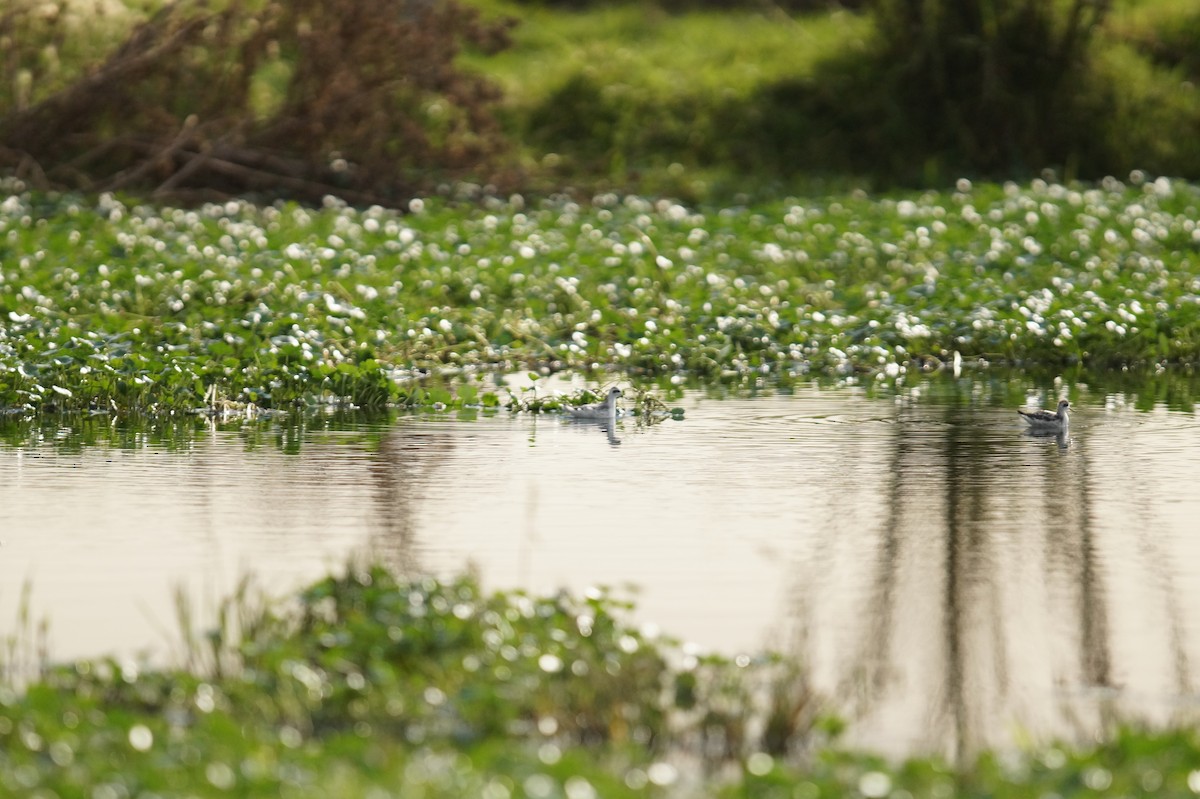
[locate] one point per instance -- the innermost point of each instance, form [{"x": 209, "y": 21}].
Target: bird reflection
[
  {"x": 608, "y": 425},
  {"x": 1061, "y": 436}
]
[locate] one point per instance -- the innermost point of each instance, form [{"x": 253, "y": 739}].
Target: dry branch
[{"x": 172, "y": 110}]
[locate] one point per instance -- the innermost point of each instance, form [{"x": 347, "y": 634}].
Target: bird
[
  {"x": 597, "y": 410},
  {"x": 1048, "y": 420}
]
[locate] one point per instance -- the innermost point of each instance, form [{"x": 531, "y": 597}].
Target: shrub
[
  {"x": 1151, "y": 115},
  {"x": 996, "y": 90},
  {"x": 1164, "y": 31},
  {"x": 361, "y": 98},
  {"x": 994, "y": 84}
]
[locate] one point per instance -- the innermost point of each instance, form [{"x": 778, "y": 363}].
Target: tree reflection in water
[
  {"x": 950, "y": 581},
  {"x": 988, "y": 606}
]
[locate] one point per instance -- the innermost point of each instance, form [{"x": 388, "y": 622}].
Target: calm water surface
[{"x": 950, "y": 581}]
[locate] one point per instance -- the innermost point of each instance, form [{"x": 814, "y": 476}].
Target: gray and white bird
[
  {"x": 597, "y": 410},
  {"x": 1048, "y": 420}
]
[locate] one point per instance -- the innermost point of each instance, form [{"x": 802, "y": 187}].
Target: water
[{"x": 950, "y": 582}]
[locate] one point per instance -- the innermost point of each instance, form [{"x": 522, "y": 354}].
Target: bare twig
[
  {"x": 25, "y": 167},
  {"x": 252, "y": 178},
  {"x": 160, "y": 160},
  {"x": 171, "y": 111}
]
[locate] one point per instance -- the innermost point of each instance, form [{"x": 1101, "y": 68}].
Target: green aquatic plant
[
  {"x": 372, "y": 683},
  {"x": 24, "y": 650},
  {"x": 108, "y": 307},
  {"x": 362, "y": 677}
]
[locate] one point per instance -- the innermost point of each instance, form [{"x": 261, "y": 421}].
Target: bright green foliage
[
  {"x": 751, "y": 99},
  {"x": 368, "y": 680},
  {"x": 366, "y": 684},
  {"x": 1131, "y": 763},
  {"x": 432, "y": 660},
  {"x": 1166, "y": 31},
  {"x": 106, "y": 306}
]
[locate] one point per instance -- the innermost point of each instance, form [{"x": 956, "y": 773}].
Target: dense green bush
[
  {"x": 929, "y": 92},
  {"x": 993, "y": 84},
  {"x": 993, "y": 89}
]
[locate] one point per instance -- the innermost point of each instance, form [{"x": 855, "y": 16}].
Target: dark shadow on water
[{"x": 407, "y": 458}]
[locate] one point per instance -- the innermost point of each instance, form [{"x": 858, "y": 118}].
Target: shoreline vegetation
[
  {"x": 112, "y": 306},
  {"x": 367, "y": 683}
]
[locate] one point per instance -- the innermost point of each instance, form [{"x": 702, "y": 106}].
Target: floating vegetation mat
[{"x": 110, "y": 306}]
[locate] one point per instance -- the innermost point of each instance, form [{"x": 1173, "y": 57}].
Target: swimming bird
[
  {"x": 1048, "y": 420},
  {"x": 597, "y": 410}
]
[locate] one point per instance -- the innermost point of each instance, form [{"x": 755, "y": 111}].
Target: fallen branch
[
  {"x": 26, "y": 167},
  {"x": 252, "y": 179},
  {"x": 176, "y": 110},
  {"x": 163, "y": 157}
]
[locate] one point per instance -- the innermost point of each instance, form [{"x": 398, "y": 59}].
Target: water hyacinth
[
  {"x": 395, "y": 683},
  {"x": 110, "y": 305},
  {"x": 368, "y": 684}
]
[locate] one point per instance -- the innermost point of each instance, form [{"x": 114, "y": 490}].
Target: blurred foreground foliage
[
  {"x": 371, "y": 684},
  {"x": 367, "y": 679},
  {"x": 359, "y": 98}
]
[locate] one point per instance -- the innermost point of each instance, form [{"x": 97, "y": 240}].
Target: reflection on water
[
  {"x": 1014, "y": 584},
  {"x": 951, "y": 581}
]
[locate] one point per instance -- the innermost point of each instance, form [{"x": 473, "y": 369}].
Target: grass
[
  {"x": 630, "y": 94},
  {"x": 734, "y": 51},
  {"x": 703, "y": 105},
  {"x": 372, "y": 684},
  {"x": 114, "y": 307}
]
